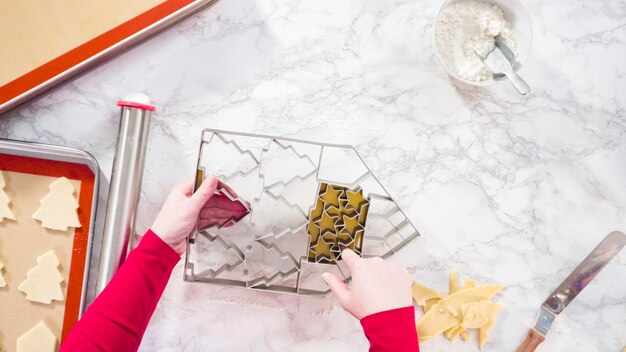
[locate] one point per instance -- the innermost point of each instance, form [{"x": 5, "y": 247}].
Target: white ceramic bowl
[{"x": 516, "y": 14}]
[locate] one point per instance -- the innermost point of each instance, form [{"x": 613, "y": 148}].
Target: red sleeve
[
  {"x": 117, "y": 319},
  {"x": 391, "y": 330}
]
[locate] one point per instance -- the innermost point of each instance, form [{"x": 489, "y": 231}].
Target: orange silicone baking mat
[
  {"x": 21, "y": 241},
  {"x": 43, "y": 39}
]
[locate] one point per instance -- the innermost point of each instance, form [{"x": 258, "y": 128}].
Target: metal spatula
[
  {"x": 577, "y": 280},
  {"x": 500, "y": 62}
]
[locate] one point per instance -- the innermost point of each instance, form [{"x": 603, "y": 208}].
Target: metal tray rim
[
  {"x": 105, "y": 55},
  {"x": 61, "y": 153}
]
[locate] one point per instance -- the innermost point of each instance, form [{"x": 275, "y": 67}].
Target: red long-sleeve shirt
[{"x": 117, "y": 319}]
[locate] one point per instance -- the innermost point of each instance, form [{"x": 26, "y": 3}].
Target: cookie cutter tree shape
[{"x": 284, "y": 180}]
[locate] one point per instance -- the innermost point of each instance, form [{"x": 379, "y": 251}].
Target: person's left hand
[{"x": 180, "y": 211}]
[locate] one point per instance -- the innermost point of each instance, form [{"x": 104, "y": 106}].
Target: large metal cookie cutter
[{"x": 307, "y": 201}]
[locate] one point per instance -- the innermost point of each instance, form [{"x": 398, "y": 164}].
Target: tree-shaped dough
[
  {"x": 3, "y": 282},
  {"x": 58, "y": 208},
  {"x": 43, "y": 282},
  {"x": 39, "y": 339},
  {"x": 5, "y": 210}
]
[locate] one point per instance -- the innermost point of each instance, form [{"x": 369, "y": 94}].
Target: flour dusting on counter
[{"x": 465, "y": 32}]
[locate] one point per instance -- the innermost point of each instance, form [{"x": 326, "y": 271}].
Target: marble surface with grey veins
[{"x": 506, "y": 188}]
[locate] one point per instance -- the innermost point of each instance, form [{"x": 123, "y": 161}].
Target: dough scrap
[
  {"x": 469, "y": 283},
  {"x": 37, "y": 339},
  {"x": 58, "y": 209},
  {"x": 430, "y": 303},
  {"x": 483, "y": 333},
  {"x": 453, "y": 332},
  {"x": 43, "y": 282},
  {"x": 5, "y": 202},
  {"x": 3, "y": 282},
  {"x": 439, "y": 318},
  {"x": 455, "y": 283},
  {"x": 421, "y": 294},
  {"x": 469, "y": 307},
  {"x": 474, "y": 315}
]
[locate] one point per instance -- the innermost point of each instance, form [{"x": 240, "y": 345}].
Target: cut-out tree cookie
[
  {"x": 5, "y": 202},
  {"x": 58, "y": 209},
  {"x": 43, "y": 282},
  {"x": 3, "y": 282},
  {"x": 37, "y": 339}
]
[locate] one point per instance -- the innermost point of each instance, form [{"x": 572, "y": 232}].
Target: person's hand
[
  {"x": 376, "y": 285},
  {"x": 179, "y": 213}
]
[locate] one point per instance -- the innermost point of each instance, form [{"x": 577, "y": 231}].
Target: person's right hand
[{"x": 376, "y": 285}]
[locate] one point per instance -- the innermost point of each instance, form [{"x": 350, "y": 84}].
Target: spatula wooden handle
[{"x": 533, "y": 339}]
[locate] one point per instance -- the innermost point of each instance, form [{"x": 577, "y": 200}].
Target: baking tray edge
[
  {"x": 105, "y": 55},
  {"x": 66, "y": 154}
]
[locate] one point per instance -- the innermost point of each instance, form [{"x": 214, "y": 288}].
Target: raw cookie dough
[
  {"x": 43, "y": 282},
  {"x": 455, "y": 283},
  {"x": 474, "y": 315},
  {"x": 483, "y": 333},
  {"x": 3, "y": 282},
  {"x": 37, "y": 339},
  {"x": 5, "y": 202},
  {"x": 58, "y": 208},
  {"x": 422, "y": 294},
  {"x": 446, "y": 313},
  {"x": 464, "y": 308}
]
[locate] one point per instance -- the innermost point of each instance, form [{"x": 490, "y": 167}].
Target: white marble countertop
[{"x": 505, "y": 188}]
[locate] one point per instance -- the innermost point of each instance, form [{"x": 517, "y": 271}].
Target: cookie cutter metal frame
[{"x": 266, "y": 283}]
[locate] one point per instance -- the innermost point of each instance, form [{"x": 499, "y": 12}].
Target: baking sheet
[
  {"x": 21, "y": 242},
  {"x": 53, "y": 162},
  {"x": 35, "y": 31},
  {"x": 50, "y": 42}
]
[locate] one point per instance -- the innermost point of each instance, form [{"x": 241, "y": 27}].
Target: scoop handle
[{"x": 517, "y": 81}]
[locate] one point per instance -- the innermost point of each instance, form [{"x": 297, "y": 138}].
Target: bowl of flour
[{"x": 465, "y": 31}]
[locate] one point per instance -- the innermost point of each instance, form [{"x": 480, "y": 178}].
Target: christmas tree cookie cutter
[{"x": 283, "y": 181}]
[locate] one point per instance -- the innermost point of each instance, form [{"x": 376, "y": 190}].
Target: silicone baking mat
[
  {"x": 22, "y": 241},
  {"x": 44, "y": 40}
]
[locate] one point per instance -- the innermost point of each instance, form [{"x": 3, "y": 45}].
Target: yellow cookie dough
[
  {"x": 43, "y": 282},
  {"x": 430, "y": 303},
  {"x": 421, "y": 294},
  {"x": 466, "y": 307},
  {"x": 5, "y": 202},
  {"x": 474, "y": 315},
  {"x": 58, "y": 209},
  {"x": 440, "y": 317},
  {"x": 469, "y": 283},
  {"x": 37, "y": 339},
  {"x": 455, "y": 284},
  {"x": 483, "y": 333}
]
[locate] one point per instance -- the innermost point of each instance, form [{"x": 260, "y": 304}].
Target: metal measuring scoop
[{"x": 500, "y": 62}]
